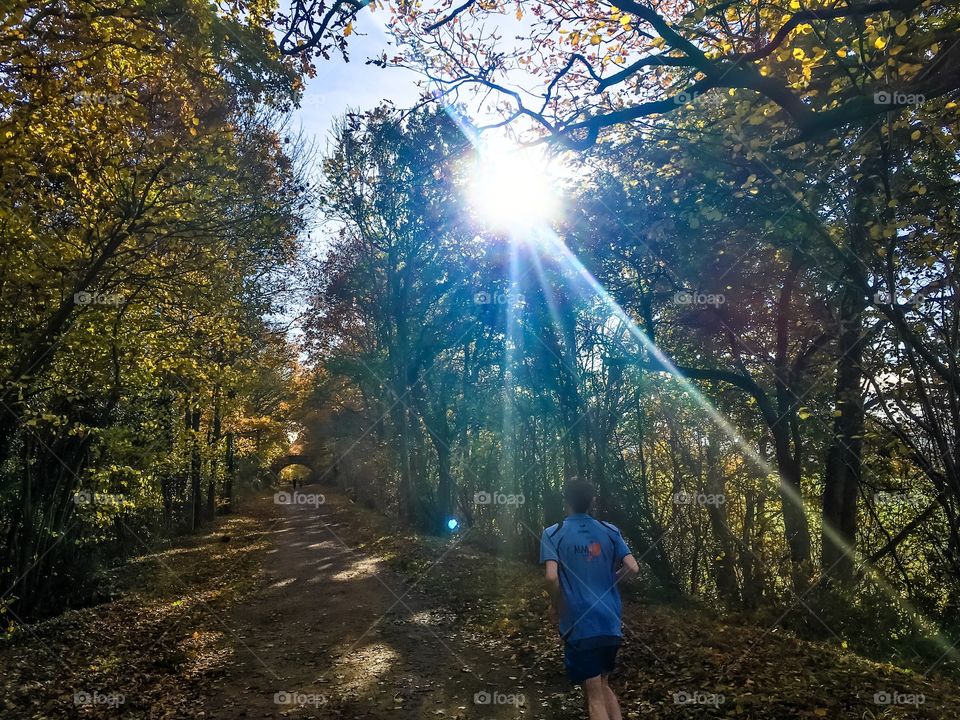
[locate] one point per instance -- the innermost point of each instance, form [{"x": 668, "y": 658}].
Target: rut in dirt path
[{"x": 338, "y": 634}]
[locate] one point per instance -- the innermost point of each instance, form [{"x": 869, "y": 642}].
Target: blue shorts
[{"x": 589, "y": 657}]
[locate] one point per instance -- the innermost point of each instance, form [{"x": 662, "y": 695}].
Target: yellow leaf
[
  {"x": 595, "y": 39},
  {"x": 794, "y": 4},
  {"x": 348, "y": 30},
  {"x": 901, "y": 29},
  {"x": 915, "y": 135},
  {"x": 519, "y": 13},
  {"x": 880, "y": 43},
  {"x": 798, "y": 53}
]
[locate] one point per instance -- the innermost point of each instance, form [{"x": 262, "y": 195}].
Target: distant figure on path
[{"x": 585, "y": 559}]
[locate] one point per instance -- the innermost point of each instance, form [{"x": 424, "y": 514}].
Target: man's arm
[
  {"x": 628, "y": 568},
  {"x": 552, "y": 578}
]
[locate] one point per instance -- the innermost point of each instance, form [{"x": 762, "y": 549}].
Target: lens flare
[{"x": 584, "y": 283}]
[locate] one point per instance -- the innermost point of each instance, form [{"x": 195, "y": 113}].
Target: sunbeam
[{"x": 550, "y": 244}]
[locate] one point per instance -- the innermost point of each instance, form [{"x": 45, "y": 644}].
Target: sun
[{"x": 513, "y": 189}]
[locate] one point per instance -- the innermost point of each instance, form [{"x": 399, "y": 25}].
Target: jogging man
[{"x": 585, "y": 559}]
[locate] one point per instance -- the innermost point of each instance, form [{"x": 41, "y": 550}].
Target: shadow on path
[{"x": 334, "y": 633}]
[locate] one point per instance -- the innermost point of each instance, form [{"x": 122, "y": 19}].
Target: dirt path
[
  {"x": 332, "y": 611},
  {"x": 339, "y": 635}
]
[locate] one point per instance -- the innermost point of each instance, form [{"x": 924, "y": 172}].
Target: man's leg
[
  {"x": 610, "y": 700},
  {"x": 596, "y": 692}
]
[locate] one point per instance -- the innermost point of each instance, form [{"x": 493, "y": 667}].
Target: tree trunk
[
  {"x": 725, "y": 551},
  {"x": 444, "y": 480},
  {"x": 794, "y": 516},
  {"x": 751, "y": 588},
  {"x": 405, "y": 487},
  {"x": 844, "y": 456},
  {"x": 844, "y": 461},
  {"x": 786, "y": 439},
  {"x": 229, "y": 475},
  {"x": 214, "y": 456},
  {"x": 196, "y": 503}
]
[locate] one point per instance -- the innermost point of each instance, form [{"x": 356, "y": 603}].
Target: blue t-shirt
[{"x": 588, "y": 553}]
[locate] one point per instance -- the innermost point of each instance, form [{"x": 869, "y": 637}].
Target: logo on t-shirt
[{"x": 589, "y": 552}]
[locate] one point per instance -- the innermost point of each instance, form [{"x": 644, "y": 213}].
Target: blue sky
[{"x": 341, "y": 86}]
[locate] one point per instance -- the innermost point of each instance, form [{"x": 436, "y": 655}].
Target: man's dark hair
[{"x": 578, "y": 494}]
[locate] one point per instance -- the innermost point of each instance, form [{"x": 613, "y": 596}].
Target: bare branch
[{"x": 456, "y": 11}]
